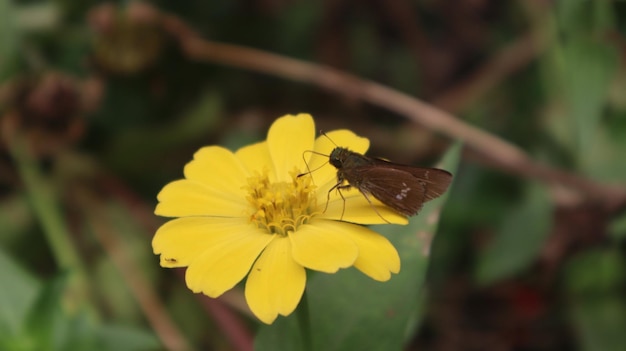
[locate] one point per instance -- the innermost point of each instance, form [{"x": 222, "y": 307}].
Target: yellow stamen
[{"x": 281, "y": 207}]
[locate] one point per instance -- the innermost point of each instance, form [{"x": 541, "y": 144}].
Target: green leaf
[
  {"x": 115, "y": 338},
  {"x": 81, "y": 332},
  {"x": 9, "y": 37},
  {"x": 350, "y": 311},
  {"x": 283, "y": 335},
  {"x": 617, "y": 228},
  {"x": 32, "y": 318},
  {"x": 519, "y": 239},
  {"x": 587, "y": 65},
  {"x": 76, "y": 334},
  {"x": 18, "y": 292},
  {"x": 608, "y": 148},
  {"x": 582, "y": 16},
  {"x": 589, "y": 69},
  {"x": 594, "y": 283},
  {"x": 45, "y": 314}
]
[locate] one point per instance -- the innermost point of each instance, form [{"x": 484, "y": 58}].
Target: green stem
[
  {"x": 304, "y": 322},
  {"x": 45, "y": 206}
]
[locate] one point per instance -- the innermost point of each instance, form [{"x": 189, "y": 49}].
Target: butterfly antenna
[
  {"x": 308, "y": 169},
  {"x": 327, "y": 137}
]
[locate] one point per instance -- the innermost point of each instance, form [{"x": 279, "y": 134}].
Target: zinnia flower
[{"x": 249, "y": 213}]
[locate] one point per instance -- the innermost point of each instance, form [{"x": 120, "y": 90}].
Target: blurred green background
[{"x": 101, "y": 104}]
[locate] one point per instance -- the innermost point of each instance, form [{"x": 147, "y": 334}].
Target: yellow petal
[
  {"x": 189, "y": 198},
  {"x": 217, "y": 168},
  {"x": 275, "y": 283},
  {"x": 317, "y": 246},
  {"x": 287, "y": 139},
  {"x": 356, "y": 209},
  {"x": 256, "y": 158},
  {"x": 226, "y": 259},
  {"x": 324, "y": 145},
  {"x": 377, "y": 256},
  {"x": 181, "y": 240}
]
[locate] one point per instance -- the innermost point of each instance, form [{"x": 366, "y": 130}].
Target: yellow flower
[{"x": 248, "y": 213}]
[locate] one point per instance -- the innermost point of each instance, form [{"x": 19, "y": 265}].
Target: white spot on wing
[{"x": 403, "y": 193}]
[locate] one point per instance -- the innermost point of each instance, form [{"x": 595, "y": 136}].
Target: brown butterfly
[{"x": 403, "y": 188}]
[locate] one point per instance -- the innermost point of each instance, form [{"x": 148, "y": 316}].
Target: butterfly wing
[
  {"x": 397, "y": 189},
  {"x": 435, "y": 180},
  {"x": 403, "y": 188}
]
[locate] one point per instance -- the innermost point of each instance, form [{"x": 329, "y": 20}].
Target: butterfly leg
[
  {"x": 339, "y": 186},
  {"x": 374, "y": 207}
]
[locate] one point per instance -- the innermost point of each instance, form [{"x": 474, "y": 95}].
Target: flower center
[{"x": 281, "y": 207}]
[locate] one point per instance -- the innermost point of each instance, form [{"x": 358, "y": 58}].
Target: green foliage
[
  {"x": 594, "y": 283},
  {"x": 33, "y": 318},
  {"x": 519, "y": 238},
  {"x": 19, "y": 293},
  {"x": 9, "y": 38},
  {"x": 585, "y": 71},
  {"x": 618, "y": 228}
]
